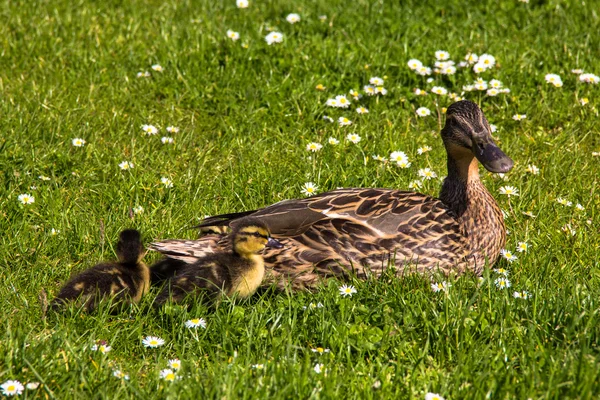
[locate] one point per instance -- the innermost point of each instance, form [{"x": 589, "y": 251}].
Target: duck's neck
[{"x": 477, "y": 211}]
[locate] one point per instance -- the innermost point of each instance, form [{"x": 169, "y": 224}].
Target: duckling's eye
[{"x": 257, "y": 234}]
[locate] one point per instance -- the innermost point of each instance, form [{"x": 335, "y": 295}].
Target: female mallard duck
[
  {"x": 239, "y": 271},
  {"x": 365, "y": 230},
  {"x": 126, "y": 280}
]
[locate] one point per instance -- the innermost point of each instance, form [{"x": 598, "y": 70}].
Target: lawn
[{"x": 245, "y": 112}]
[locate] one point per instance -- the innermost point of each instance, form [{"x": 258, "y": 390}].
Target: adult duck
[{"x": 364, "y": 231}]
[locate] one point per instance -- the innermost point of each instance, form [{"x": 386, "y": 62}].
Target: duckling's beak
[
  {"x": 491, "y": 157},
  {"x": 274, "y": 243}
]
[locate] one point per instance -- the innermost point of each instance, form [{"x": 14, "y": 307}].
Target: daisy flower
[
  {"x": 54, "y": 232},
  {"x": 242, "y": 3},
  {"x": 492, "y": 92},
  {"x": 522, "y": 247},
  {"x": 102, "y": 347},
  {"x": 26, "y": 199},
  {"x": 320, "y": 350},
  {"x": 12, "y": 388},
  {"x": 424, "y": 71},
  {"x": 414, "y": 64},
  {"x": 313, "y": 306},
  {"x": 370, "y": 90},
  {"x": 502, "y": 282},
  {"x": 480, "y": 84},
  {"x": 343, "y": 121},
  {"x": 150, "y": 129},
  {"x": 589, "y": 78},
  {"x": 553, "y": 79},
  {"x": 501, "y": 271},
  {"x": 144, "y": 74},
  {"x": 524, "y": 295},
  {"x": 377, "y": 157},
  {"x": 332, "y": 103},
  {"x": 479, "y": 68},
  {"x": 117, "y": 373},
  {"x": 233, "y": 35},
  {"x": 403, "y": 164},
  {"x": 419, "y": 92},
  {"x": 532, "y": 169},
  {"x": 347, "y": 290},
  {"x": 471, "y": 58},
  {"x": 32, "y": 385},
  {"x": 353, "y": 137},
  {"x": 439, "y": 90},
  {"x": 381, "y": 90},
  {"x": 423, "y": 111},
  {"x": 327, "y": 118},
  {"x": 487, "y": 60},
  {"x": 152, "y": 341},
  {"x": 309, "y": 189},
  {"x": 423, "y": 149},
  {"x": 175, "y": 363},
  {"x": 172, "y": 129},
  {"x": 322, "y": 18},
  {"x": 292, "y": 18},
  {"x": 362, "y": 110},
  {"x": 427, "y": 173},
  {"x": 167, "y": 182},
  {"x": 138, "y": 210},
  {"x": 433, "y": 396},
  {"x": 333, "y": 141},
  {"x": 579, "y": 207},
  {"x": 440, "y": 286},
  {"x": 274, "y": 37},
  {"x": 577, "y": 71},
  {"x": 168, "y": 375},
  {"x": 78, "y": 142},
  {"x": 509, "y": 191},
  {"x": 167, "y": 140},
  {"x": 355, "y": 94},
  {"x": 508, "y": 255},
  {"x": 376, "y": 81},
  {"x": 320, "y": 87},
  {"x": 493, "y": 128},
  {"x": 448, "y": 70},
  {"x": 584, "y": 101},
  {"x": 258, "y": 366},
  {"x": 318, "y": 368},
  {"x": 442, "y": 55},
  {"x": 314, "y": 147},
  {"x": 563, "y": 202},
  {"x": 44, "y": 178},
  {"x": 415, "y": 185},
  {"x": 195, "y": 323},
  {"x": 398, "y": 156},
  {"x": 157, "y": 68},
  {"x": 342, "y": 101}
]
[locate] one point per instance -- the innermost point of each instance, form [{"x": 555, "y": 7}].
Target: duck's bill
[
  {"x": 492, "y": 158},
  {"x": 274, "y": 243}
]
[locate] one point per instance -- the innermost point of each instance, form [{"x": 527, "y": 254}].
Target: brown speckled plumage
[{"x": 366, "y": 230}]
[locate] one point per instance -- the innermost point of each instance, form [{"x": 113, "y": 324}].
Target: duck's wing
[{"x": 380, "y": 212}]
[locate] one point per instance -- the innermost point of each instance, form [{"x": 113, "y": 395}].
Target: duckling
[
  {"x": 239, "y": 271},
  {"x": 127, "y": 279}
]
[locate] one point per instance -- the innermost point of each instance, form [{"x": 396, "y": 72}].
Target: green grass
[{"x": 68, "y": 69}]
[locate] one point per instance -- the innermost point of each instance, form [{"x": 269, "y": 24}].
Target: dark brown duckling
[
  {"x": 238, "y": 272},
  {"x": 126, "y": 280}
]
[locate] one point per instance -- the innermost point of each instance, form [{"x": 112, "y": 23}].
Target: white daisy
[
  {"x": 519, "y": 117},
  {"x": 370, "y": 90},
  {"x": 343, "y": 121},
  {"x": 342, "y": 101},
  {"x": 318, "y": 368},
  {"x": 440, "y": 286},
  {"x": 471, "y": 58},
  {"x": 12, "y": 388},
  {"x": 242, "y": 3},
  {"x": 509, "y": 191},
  {"x": 398, "y": 156},
  {"x": 522, "y": 247},
  {"x": 233, "y": 35},
  {"x": 353, "y": 137},
  {"x": 333, "y": 141},
  {"x": 157, "y": 68},
  {"x": 309, "y": 189},
  {"x": 117, "y": 373},
  {"x": 508, "y": 255},
  {"x": 433, "y": 396},
  {"x": 423, "y": 149},
  {"x": 152, "y": 341},
  {"x": 502, "y": 282},
  {"x": 439, "y": 90},
  {"x": 414, "y": 64},
  {"x": 26, "y": 199},
  {"x": 423, "y": 111},
  {"x": 138, "y": 210},
  {"x": 320, "y": 350},
  {"x": 274, "y": 37},
  {"x": 172, "y": 129},
  {"x": 167, "y": 140},
  {"x": 292, "y": 18},
  {"x": 78, "y": 142},
  {"x": 167, "y": 182},
  {"x": 553, "y": 79},
  {"x": 150, "y": 129},
  {"x": 427, "y": 173},
  {"x": 347, "y": 290},
  {"x": 442, "y": 55},
  {"x": 376, "y": 81},
  {"x": 195, "y": 323},
  {"x": 362, "y": 110},
  {"x": 175, "y": 363},
  {"x": 532, "y": 169},
  {"x": 168, "y": 375},
  {"x": 314, "y": 147}
]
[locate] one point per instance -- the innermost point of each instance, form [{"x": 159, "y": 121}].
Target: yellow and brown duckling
[
  {"x": 125, "y": 280},
  {"x": 236, "y": 272}
]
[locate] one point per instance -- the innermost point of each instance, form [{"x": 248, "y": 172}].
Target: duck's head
[
  {"x": 251, "y": 236},
  {"x": 467, "y": 133}
]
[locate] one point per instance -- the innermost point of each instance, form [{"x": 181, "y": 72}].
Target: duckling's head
[
  {"x": 130, "y": 249},
  {"x": 251, "y": 236},
  {"x": 467, "y": 133}
]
